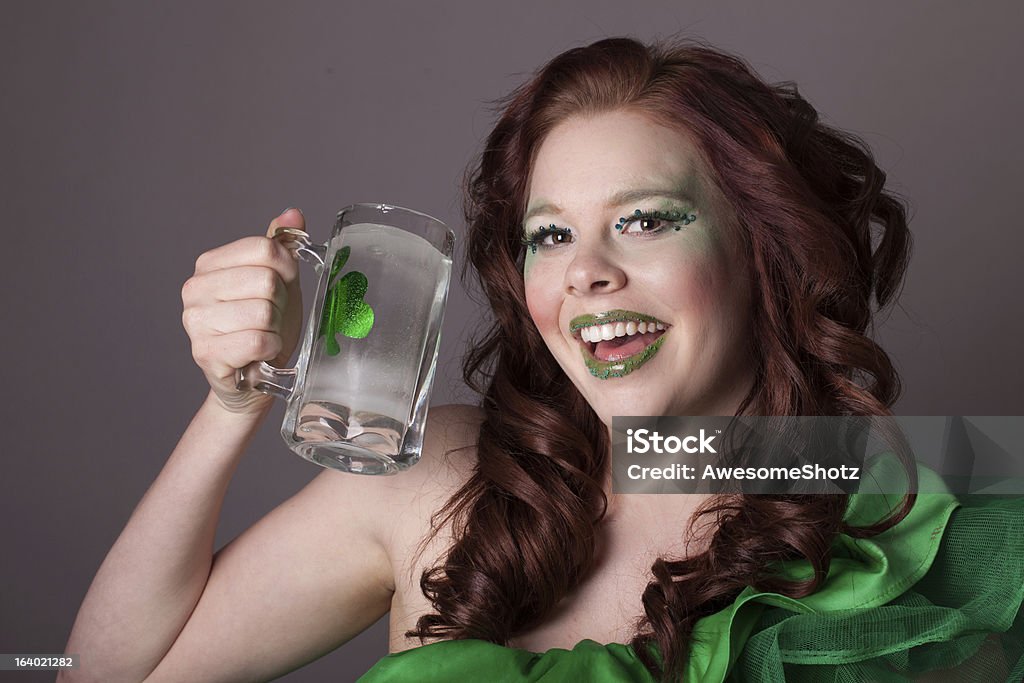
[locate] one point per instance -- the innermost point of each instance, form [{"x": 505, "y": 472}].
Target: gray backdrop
[{"x": 138, "y": 135}]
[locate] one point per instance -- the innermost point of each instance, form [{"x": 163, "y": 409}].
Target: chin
[{"x": 624, "y": 406}]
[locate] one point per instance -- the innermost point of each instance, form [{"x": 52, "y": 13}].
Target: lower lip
[{"x": 622, "y": 367}]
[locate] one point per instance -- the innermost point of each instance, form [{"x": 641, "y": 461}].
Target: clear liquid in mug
[{"x": 355, "y": 405}]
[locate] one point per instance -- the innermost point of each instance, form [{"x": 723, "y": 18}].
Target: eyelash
[
  {"x": 676, "y": 218},
  {"x": 535, "y": 238}
]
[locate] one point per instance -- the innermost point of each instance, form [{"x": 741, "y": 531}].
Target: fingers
[
  {"x": 220, "y": 355},
  {"x": 243, "y": 304},
  {"x": 235, "y": 284},
  {"x": 232, "y": 316},
  {"x": 289, "y": 218},
  {"x": 257, "y": 250},
  {"x": 250, "y": 251}
]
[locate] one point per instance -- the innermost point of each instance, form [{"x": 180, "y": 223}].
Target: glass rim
[{"x": 385, "y": 208}]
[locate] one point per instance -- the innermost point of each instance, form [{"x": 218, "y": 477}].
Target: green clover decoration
[{"x": 345, "y": 312}]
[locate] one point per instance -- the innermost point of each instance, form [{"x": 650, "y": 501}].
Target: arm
[
  {"x": 302, "y": 581},
  {"x": 161, "y": 596},
  {"x": 153, "y": 576}
]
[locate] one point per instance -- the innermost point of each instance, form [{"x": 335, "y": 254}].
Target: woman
[{"x": 732, "y": 245}]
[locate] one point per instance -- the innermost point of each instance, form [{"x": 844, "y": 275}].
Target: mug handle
[{"x": 260, "y": 375}]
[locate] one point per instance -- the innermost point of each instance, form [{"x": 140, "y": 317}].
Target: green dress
[{"x": 942, "y": 590}]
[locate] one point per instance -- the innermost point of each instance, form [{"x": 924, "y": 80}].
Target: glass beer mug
[{"x": 357, "y": 396}]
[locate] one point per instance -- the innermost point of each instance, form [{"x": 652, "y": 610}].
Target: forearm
[{"x": 152, "y": 578}]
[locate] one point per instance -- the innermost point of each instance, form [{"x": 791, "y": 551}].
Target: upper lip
[{"x": 614, "y": 316}]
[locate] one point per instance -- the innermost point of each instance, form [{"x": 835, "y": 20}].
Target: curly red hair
[{"x": 827, "y": 247}]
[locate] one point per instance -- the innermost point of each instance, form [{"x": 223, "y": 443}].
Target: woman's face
[{"x": 649, "y": 316}]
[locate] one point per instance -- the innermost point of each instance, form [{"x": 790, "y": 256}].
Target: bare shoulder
[
  {"x": 447, "y": 461},
  {"x": 395, "y": 509},
  {"x": 449, "y": 444}
]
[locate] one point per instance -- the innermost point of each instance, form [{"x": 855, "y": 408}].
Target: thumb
[{"x": 289, "y": 218}]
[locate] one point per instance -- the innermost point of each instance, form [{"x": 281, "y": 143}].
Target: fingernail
[{"x": 290, "y": 208}]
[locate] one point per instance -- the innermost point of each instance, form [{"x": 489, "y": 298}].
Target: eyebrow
[{"x": 624, "y": 197}]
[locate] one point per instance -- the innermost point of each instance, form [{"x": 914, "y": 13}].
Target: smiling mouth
[{"x": 615, "y": 343}]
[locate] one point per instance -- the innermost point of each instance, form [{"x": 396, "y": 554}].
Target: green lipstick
[{"x": 621, "y": 367}]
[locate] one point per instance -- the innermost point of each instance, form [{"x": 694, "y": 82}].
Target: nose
[{"x": 593, "y": 271}]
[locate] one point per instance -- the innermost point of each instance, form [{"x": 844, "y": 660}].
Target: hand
[{"x": 244, "y": 304}]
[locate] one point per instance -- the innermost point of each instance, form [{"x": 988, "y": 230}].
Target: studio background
[{"x": 138, "y": 135}]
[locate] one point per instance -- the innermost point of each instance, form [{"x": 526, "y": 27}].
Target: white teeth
[{"x": 595, "y": 333}]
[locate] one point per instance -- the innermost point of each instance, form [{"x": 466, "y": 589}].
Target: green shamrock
[{"x": 345, "y": 312}]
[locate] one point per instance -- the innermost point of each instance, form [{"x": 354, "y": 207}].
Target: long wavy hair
[{"x": 826, "y": 245}]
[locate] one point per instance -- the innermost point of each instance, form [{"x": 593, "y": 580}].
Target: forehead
[{"x": 588, "y": 159}]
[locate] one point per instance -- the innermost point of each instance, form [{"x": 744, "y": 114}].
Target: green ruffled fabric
[{"x": 941, "y": 591}]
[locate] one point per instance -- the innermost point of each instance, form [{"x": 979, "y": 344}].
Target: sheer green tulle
[
  {"x": 961, "y": 620},
  {"x": 940, "y": 592}
]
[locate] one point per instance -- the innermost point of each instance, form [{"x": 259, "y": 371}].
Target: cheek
[
  {"x": 700, "y": 290},
  {"x": 542, "y": 302},
  {"x": 686, "y": 285},
  {"x": 708, "y": 284},
  {"x": 721, "y": 297}
]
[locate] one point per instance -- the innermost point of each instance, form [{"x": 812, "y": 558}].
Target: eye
[
  {"x": 652, "y": 222},
  {"x": 548, "y": 237},
  {"x": 643, "y": 225}
]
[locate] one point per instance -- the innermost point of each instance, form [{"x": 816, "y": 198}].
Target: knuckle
[
  {"x": 264, "y": 250},
  {"x": 267, "y": 282},
  {"x": 192, "y": 289},
  {"x": 201, "y": 317},
  {"x": 281, "y": 258},
  {"x": 201, "y": 262},
  {"x": 265, "y": 313},
  {"x": 287, "y": 264},
  {"x": 258, "y": 343},
  {"x": 201, "y": 351},
  {"x": 270, "y": 344},
  {"x": 264, "y": 345}
]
